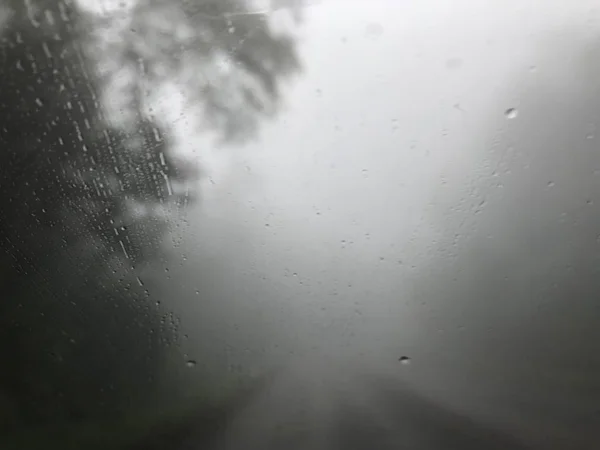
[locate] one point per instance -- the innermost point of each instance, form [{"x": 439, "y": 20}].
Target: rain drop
[
  {"x": 404, "y": 360},
  {"x": 190, "y": 363},
  {"x": 511, "y": 113}
]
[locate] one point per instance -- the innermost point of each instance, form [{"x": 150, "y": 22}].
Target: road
[{"x": 320, "y": 405}]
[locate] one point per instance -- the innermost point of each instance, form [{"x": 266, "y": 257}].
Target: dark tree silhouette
[
  {"x": 85, "y": 197},
  {"x": 225, "y": 57}
]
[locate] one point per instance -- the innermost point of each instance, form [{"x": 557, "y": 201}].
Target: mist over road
[{"x": 321, "y": 404}]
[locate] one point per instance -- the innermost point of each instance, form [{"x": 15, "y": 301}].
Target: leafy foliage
[{"x": 89, "y": 190}]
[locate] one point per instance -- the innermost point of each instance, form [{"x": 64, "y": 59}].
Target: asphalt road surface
[{"x": 315, "y": 404}]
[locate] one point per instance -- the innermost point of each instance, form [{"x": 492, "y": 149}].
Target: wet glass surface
[{"x": 383, "y": 211}]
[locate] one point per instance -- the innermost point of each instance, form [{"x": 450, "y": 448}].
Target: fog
[
  {"x": 417, "y": 196},
  {"x": 397, "y": 208}
]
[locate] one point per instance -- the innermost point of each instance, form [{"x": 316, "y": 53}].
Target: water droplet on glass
[
  {"x": 190, "y": 363},
  {"x": 511, "y": 113},
  {"x": 550, "y": 184},
  {"x": 404, "y": 360}
]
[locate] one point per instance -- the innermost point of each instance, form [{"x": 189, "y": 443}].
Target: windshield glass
[{"x": 200, "y": 198}]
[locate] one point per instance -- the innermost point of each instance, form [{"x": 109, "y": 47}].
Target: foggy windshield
[{"x": 199, "y": 194}]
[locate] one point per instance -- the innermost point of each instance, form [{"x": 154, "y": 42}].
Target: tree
[{"x": 88, "y": 195}]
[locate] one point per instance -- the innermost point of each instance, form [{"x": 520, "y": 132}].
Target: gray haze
[{"x": 429, "y": 190}]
